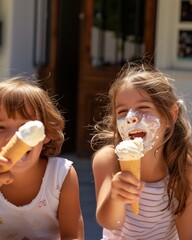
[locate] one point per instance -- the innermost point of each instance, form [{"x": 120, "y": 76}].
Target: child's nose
[
  {"x": 131, "y": 120},
  {"x": 131, "y": 117}
]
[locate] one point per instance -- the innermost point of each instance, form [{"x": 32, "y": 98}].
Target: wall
[
  {"x": 165, "y": 51},
  {"x": 168, "y": 28},
  {"x": 16, "y": 51}
]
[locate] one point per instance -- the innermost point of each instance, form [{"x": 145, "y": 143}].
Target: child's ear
[
  {"x": 174, "y": 112},
  {"x": 46, "y": 140}
]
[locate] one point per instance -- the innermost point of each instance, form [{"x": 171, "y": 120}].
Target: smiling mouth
[
  {"x": 24, "y": 156},
  {"x": 137, "y": 133}
]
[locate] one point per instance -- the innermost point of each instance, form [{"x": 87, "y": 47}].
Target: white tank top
[
  {"x": 37, "y": 220},
  {"x": 153, "y": 222}
]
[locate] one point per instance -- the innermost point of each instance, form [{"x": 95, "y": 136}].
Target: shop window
[
  {"x": 183, "y": 48},
  {"x": 117, "y": 31}
]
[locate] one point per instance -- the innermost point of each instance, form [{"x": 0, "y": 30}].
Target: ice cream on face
[
  {"x": 136, "y": 124},
  {"x": 130, "y": 149}
]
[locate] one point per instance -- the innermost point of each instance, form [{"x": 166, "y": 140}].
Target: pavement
[{"x": 87, "y": 196}]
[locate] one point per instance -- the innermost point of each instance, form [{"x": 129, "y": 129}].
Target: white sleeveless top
[
  {"x": 37, "y": 220},
  {"x": 153, "y": 222}
]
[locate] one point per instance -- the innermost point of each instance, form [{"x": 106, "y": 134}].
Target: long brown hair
[
  {"x": 177, "y": 139},
  {"x": 25, "y": 97}
]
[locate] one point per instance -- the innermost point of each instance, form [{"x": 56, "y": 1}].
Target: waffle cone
[
  {"x": 134, "y": 167},
  {"x": 14, "y": 150}
]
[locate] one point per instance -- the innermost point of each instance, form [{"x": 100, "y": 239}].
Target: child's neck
[
  {"x": 25, "y": 186},
  {"x": 153, "y": 169}
]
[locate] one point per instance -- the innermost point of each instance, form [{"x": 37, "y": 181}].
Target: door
[
  {"x": 89, "y": 40},
  {"x": 111, "y": 32},
  {"x": 60, "y": 71}
]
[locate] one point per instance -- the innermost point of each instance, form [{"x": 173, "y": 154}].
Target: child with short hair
[{"x": 39, "y": 196}]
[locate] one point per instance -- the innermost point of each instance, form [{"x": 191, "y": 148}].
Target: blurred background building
[{"x": 77, "y": 47}]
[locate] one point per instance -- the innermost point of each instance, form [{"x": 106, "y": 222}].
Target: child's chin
[{"x": 20, "y": 164}]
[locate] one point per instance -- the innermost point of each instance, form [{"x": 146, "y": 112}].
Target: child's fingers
[
  {"x": 5, "y": 162},
  {"x": 6, "y": 178},
  {"x": 130, "y": 178},
  {"x": 126, "y": 187},
  {"x": 125, "y": 192},
  {"x": 130, "y": 194}
]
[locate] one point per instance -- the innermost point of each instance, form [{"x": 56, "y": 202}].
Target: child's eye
[
  {"x": 144, "y": 107},
  {"x": 121, "y": 113}
]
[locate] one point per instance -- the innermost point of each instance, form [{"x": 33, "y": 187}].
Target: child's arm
[
  {"x": 183, "y": 222},
  {"x": 69, "y": 213},
  {"x": 113, "y": 188}
]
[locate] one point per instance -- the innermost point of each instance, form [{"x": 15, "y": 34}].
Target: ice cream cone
[
  {"x": 134, "y": 167},
  {"x": 28, "y": 136},
  {"x": 14, "y": 150},
  {"x": 129, "y": 154}
]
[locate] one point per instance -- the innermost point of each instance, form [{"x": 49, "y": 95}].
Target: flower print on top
[{"x": 136, "y": 124}]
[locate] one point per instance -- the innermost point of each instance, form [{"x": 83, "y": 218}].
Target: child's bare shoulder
[
  {"x": 104, "y": 152},
  {"x": 105, "y": 157}
]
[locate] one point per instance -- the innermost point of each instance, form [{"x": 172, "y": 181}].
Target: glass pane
[
  {"x": 185, "y": 45},
  {"x": 117, "y": 32},
  {"x": 186, "y": 11}
]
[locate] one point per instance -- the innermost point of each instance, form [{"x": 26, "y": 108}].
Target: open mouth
[
  {"x": 137, "y": 133},
  {"x": 24, "y": 156}
]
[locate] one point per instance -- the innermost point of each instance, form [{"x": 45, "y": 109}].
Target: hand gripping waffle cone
[
  {"x": 28, "y": 135},
  {"x": 129, "y": 154}
]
